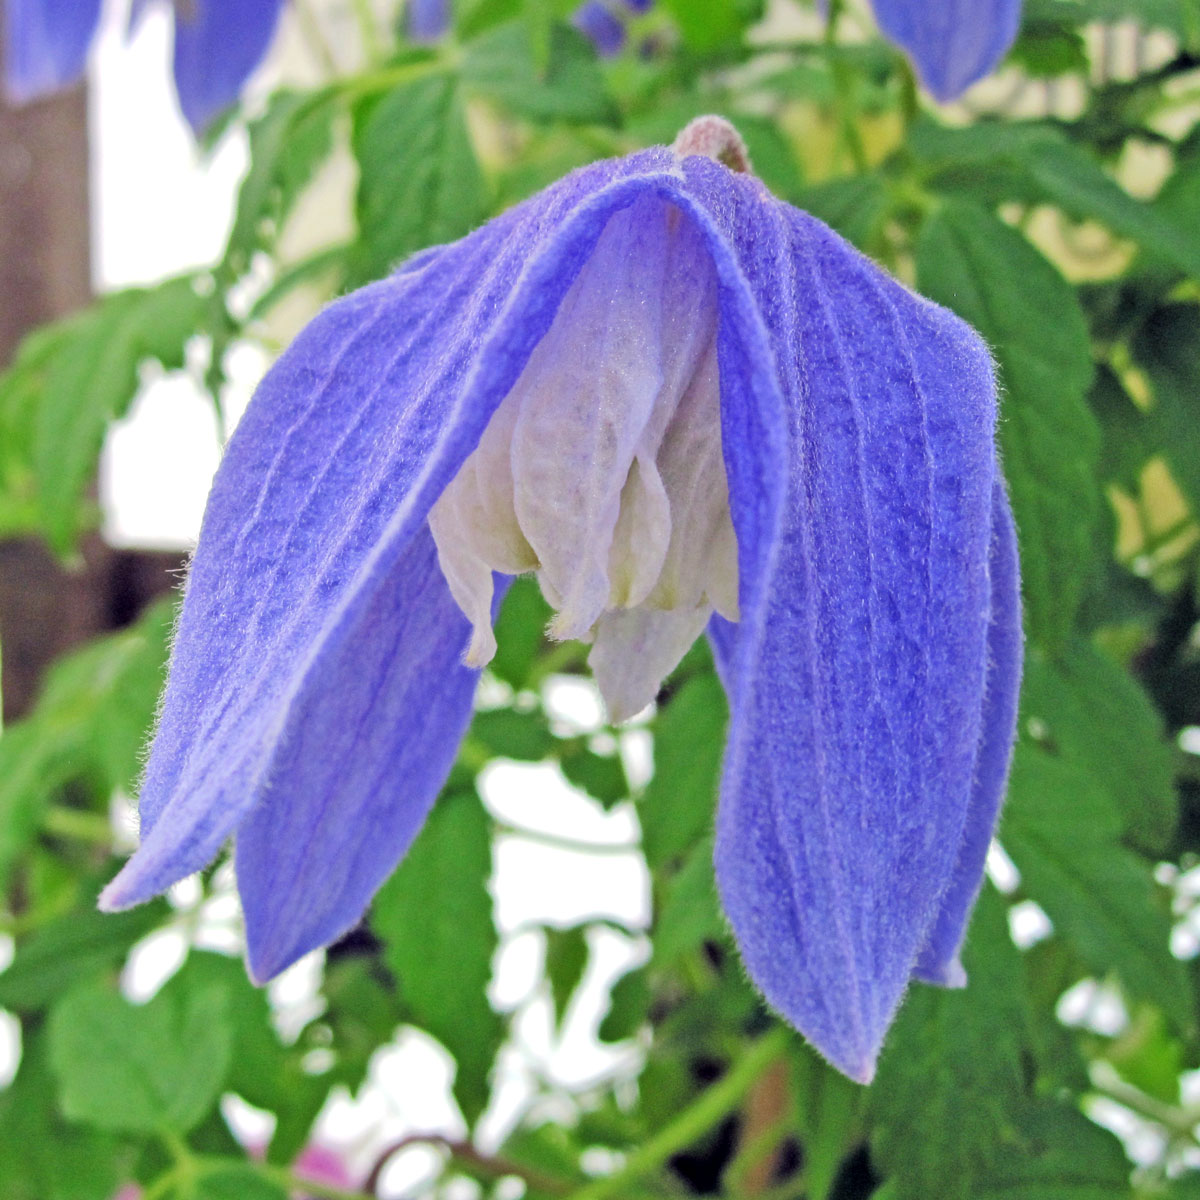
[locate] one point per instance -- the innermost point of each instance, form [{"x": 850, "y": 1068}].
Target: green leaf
[
  {"x": 1167, "y": 347},
  {"x": 990, "y": 275},
  {"x": 502, "y": 65},
  {"x": 1065, "y": 1157},
  {"x": 690, "y": 915},
  {"x": 520, "y": 635},
  {"x": 521, "y": 734},
  {"x": 150, "y": 1068},
  {"x": 90, "y": 722},
  {"x": 1083, "y": 708},
  {"x": 713, "y": 25},
  {"x": 1063, "y": 833},
  {"x": 435, "y": 917},
  {"x": 73, "y": 379},
  {"x": 235, "y": 1182},
  {"x": 854, "y": 206},
  {"x": 41, "y": 1156},
  {"x": 288, "y": 143},
  {"x": 628, "y": 1005},
  {"x": 600, "y": 775},
  {"x": 566, "y": 961},
  {"x": 678, "y": 805},
  {"x": 950, "y": 1081},
  {"x": 419, "y": 182},
  {"x": 72, "y": 948}
]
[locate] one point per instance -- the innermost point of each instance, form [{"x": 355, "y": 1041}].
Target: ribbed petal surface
[
  {"x": 217, "y": 44},
  {"x": 939, "y": 961},
  {"x": 952, "y": 43},
  {"x": 858, "y": 665},
  {"x": 45, "y": 45}
]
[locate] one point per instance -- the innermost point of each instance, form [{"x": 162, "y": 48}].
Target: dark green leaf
[
  {"x": 690, "y": 915},
  {"x": 1168, "y": 346},
  {"x": 435, "y": 916},
  {"x": 520, "y": 632},
  {"x": 1063, "y": 833},
  {"x": 1083, "y": 708},
  {"x": 235, "y": 1182},
  {"x": 990, "y": 275},
  {"x": 522, "y": 734},
  {"x": 144, "y": 1068},
  {"x": 600, "y": 775},
  {"x": 627, "y": 1007},
  {"x": 950, "y": 1081},
  {"x": 566, "y": 961}
]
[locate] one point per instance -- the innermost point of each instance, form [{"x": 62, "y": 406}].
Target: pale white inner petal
[{"x": 602, "y": 471}]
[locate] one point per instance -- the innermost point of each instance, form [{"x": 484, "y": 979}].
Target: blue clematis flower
[
  {"x": 217, "y": 44},
  {"x": 952, "y": 43},
  {"x": 604, "y": 22},
  {"x": 685, "y": 405},
  {"x": 427, "y": 20}
]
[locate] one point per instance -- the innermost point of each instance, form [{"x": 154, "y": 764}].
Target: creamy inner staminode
[{"x": 601, "y": 470}]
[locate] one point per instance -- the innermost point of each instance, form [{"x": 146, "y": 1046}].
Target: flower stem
[{"x": 710, "y": 1107}]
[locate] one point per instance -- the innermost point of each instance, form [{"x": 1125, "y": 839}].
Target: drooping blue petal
[
  {"x": 45, "y": 45},
  {"x": 217, "y": 44},
  {"x": 428, "y": 20},
  {"x": 859, "y": 659},
  {"x": 600, "y": 25},
  {"x": 307, "y": 868},
  {"x": 939, "y": 961},
  {"x": 952, "y": 43}
]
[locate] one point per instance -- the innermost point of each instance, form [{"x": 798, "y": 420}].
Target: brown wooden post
[{"x": 45, "y": 272}]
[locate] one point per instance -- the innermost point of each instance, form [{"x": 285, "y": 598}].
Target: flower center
[{"x": 601, "y": 470}]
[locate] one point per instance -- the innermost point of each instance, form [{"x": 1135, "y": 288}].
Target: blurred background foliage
[{"x": 1057, "y": 208}]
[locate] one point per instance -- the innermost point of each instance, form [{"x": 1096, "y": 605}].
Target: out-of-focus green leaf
[
  {"x": 42, "y": 1157},
  {"x": 522, "y": 734},
  {"x": 990, "y": 275},
  {"x": 73, "y": 379},
  {"x": 520, "y": 635},
  {"x": 235, "y": 1182},
  {"x": 678, "y": 805},
  {"x": 288, "y": 143},
  {"x": 1063, "y": 833},
  {"x": 854, "y": 206},
  {"x": 627, "y": 1007},
  {"x": 502, "y": 65},
  {"x": 1168, "y": 347},
  {"x": 419, "y": 181},
  {"x": 1063, "y": 1157},
  {"x": 72, "y": 948},
  {"x": 90, "y": 721},
  {"x": 710, "y": 25},
  {"x": 566, "y": 961},
  {"x": 690, "y": 914},
  {"x": 950, "y": 1082},
  {"x": 600, "y": 775},
  {"x": 1083, "y": 708},
  {"x": 435, "y": 916},
  {"x": 148, "y": 1068}
]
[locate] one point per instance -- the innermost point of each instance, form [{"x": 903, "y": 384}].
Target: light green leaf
[
  {"x": 151, "y": 1068},
  {"x": 990, "y": 275},
  {"x": 435, "y": 917}
]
